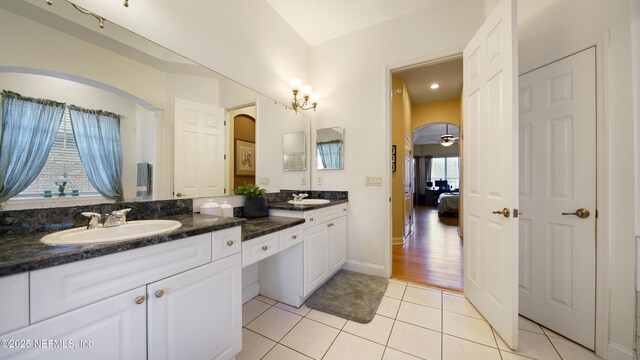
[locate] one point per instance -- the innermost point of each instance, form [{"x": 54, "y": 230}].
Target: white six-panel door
[
  {"x": 490, "y": 134},
  {"x": 199, "y": 150},
  {"x": 558, "y": 175}
]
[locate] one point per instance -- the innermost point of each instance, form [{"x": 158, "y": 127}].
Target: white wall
[
  {"x": 350, "y": 75},
  {"x": 244, "y": 40},
  {"x": 272, "y": 123},
  {"x": 560, "y": 27}
]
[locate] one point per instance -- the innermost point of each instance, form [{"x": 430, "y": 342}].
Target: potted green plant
[{"x": 255, "y": 205}]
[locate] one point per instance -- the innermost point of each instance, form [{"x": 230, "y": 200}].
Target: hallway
[{"x": 432, "y": 255}]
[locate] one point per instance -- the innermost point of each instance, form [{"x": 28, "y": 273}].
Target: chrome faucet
[
  {"x": 116, "y": 218},
  {"x": 299, "y": 197}
]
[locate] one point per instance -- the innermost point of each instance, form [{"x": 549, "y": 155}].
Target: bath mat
[{"x": 350, "y": 295}]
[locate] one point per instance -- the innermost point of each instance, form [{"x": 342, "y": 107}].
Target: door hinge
[
  {"x": 225, "y": 190},
  {"x": 225, "y": 156},
  {"x": 596, "y": 213},
  {"x": 225, "y": 123}
]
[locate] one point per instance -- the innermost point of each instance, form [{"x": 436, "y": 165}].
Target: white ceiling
[
  {"x": 447, "y": 74},
  {"x": 430, "y": 133},
  {"x": 318, "y": 21}
]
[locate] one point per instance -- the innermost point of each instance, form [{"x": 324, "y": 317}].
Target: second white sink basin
[
  {"x": 133, "y": 230},
  {"x": 309, "y": 202}
]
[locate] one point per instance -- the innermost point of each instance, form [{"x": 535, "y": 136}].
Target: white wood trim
[
  {"x": 604, "y": 181},
  {"x": 250, "y": 292},
  {"x": 366, "y": 268},
  {"x": 619, "y": 352}
]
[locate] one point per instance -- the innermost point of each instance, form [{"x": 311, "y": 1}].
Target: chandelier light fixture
[
  {"x": 100, "y": 19},
  {"x": 307, "y": 100},
  {"x": 447, "y": 139}
]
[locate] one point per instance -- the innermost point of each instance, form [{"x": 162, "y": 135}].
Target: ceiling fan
[{"x": 447, "y": 139}]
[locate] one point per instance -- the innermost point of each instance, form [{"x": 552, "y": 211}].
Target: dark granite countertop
[
  {"x": 286, "y": 206},
  {"x": 254, "y": 228},
  {"x": 25, "y": 252}
]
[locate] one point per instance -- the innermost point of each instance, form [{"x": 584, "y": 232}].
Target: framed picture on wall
[{"x": 245, "y": 155}]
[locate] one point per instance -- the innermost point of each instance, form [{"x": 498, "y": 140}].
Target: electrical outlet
[
  {"x": 304, "y": 180},
  {"x": 373, "y": 181},
  {"x": 264, "y": 181},
  {"x": 319, "y": 180}
]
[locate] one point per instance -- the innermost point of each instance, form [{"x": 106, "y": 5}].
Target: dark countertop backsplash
[{"x": 60, "y": 218}]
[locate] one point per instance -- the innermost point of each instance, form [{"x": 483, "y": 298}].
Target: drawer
[
  {"x": 329, "y": 213},
  {"x": 226, "y": 242},
  {"x": 14, "y": 297},
  {"x": 259, "y": 248},
  {"x": 291, "y": 236},
  {"x": 66, "y": 287}
]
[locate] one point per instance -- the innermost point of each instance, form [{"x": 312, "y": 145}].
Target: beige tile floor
[{"x": 412, "y": 322}]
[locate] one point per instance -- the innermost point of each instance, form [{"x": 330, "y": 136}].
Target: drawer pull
[
  {"x": 230, "y": 243},
  {"x": 330, "y": 225},
  {"x": 265, "y": 248},
  {"x": 159, "y": 293},
  {"x": 294, "y": 236},
  {"x": 140, "y": 300}
]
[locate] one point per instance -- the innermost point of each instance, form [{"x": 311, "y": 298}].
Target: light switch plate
[
  {"x": 304, "y": 180},
  {"x": 319, "y": 180},
  {"x": 373, "y": 181}
]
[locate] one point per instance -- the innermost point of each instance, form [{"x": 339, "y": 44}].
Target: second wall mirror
[{"x": 330, "y": 148}]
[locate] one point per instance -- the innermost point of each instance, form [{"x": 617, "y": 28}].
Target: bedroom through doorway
[{"x": 427, "y": 105}]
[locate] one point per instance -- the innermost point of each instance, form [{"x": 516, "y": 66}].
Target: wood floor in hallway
[{"x": 432, "y": 255}]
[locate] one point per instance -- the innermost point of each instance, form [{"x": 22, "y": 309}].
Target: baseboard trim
[
  {"x": 398, "y": 241},
  {"x": 619, "y": 352},
  {"x": 250, "y": 292},
  {"x": 365, "y": 268}
]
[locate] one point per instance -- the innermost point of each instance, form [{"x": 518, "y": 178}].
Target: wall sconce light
[
  {"x": 307, "y": 101},
  {"x": 100, "y": 19}
]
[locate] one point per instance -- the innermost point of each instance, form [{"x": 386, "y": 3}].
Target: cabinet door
[
  {"x": 337, "y": 243},
  {"x": 197, "y": 314},
  {"x": 316, "y": 257},
  {"x": 114, "y": 328}
]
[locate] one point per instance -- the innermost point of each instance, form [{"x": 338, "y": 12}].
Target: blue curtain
[
  {"x": 97, "y": 135},
  {"x": 29, "y": 128},
  {"x": 330, "y": 154}
]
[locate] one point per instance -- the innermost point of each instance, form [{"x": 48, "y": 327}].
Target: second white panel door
[{"x": 558, "y": 176}]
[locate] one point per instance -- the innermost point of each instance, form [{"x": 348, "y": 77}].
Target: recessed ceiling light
[{"x": 435, "y": 86}]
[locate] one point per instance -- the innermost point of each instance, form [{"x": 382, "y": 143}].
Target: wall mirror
[
  {"x": 294, "y": 156},
  {"x": 173, "y": 110},
  {"x": 330, "y": 148}
]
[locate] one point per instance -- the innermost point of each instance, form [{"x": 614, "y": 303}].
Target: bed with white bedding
[{"x": 449, "y": 204}]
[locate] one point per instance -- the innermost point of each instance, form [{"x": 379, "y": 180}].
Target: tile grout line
[
  {"x": 551, "y": 342},
  {"x": 496, "y": 340}
]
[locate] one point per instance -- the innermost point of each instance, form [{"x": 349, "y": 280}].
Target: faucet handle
[
  {"x": 302, "y": 196},
  {"x": 122, "y": 215},
  {"x": 94, "y": 219}
]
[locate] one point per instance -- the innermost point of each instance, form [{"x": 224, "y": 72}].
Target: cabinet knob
[
  {"x": 140, "y": 300},
  {"x": 159, "y": 293},
  {"x": 330, "y": 225},
  {"x": 230, "y": 242},
  {"x": 310, "y": 219},
  {"x": 264, "y": 248},
  {"x": 294, "y": 236}
]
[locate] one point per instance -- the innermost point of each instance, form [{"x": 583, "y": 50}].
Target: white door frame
[
  {"x": 603, "y": 187},
  {"x": 603, "y": 175},
  {"x": 387, "y": 180}
]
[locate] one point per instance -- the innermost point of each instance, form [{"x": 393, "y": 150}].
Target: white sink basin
[
  {"x": 133, "y": 230},
  {"x": 309, "y": 202}
]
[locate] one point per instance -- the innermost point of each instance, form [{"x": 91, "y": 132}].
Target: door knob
[
  {"x": 180, "y": 194},
  {"x": 504, "y": 212},
  {"x": 581, "y": 213}
]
